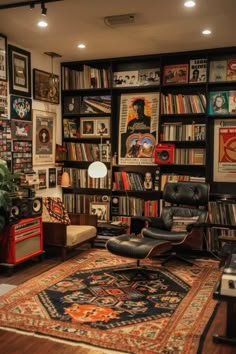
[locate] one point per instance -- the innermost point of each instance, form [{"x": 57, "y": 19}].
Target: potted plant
[{"x": 8, "y": 190}]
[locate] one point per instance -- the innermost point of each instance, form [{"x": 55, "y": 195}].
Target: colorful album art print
[
  {"x": 21, "y": 129},
  {"x": 138, "y": 124},
  {"x": 20, "y": 108},
  {"x": 44, "y": 130},
  {"x": 225, "y": 150},
  {"x": 3, "y": 99}
]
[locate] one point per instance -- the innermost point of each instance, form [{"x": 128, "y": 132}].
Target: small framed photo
[
  {"x": 45, "y": 86},
  {"x": 21, "y": 129},
  {"x": 95, "y": 127},
  {"x": 42, "y": 174},
  {"x": 3, "y": 57},
  {"x": 19, "y": 71},
  {"x": 71, "y": 105},
  {"x": 52, "y": 177},
  {"x": 101, "y": 209}
]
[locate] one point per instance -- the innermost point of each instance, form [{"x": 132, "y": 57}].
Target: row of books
[
  {"x": 189, "y": 156},
  {"x": 222, "y": 212},
  {"x": 128, "y": 181},
  {"x": 151, "y": 208},
  {"x": 80, "y": 203},
  {"x": 125, "y": 205},
  {"x": 180, "y": 103},
  {"x": 87, "y": 151},
  {"x": 79, "y": 178},
  {"x": 213, "y": 243},
  {"x": 178, "y": 178},
  {"x": 183, "y": 132},
  {"x": 88, "y": 77}
]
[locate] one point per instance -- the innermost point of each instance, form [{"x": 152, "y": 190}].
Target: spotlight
[{"x": 44, "y": 10}]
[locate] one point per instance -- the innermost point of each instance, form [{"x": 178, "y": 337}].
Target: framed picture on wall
[
  {"x": 19, "y": 71},
  {"x": 44, "y": 133},
  {"x": 20, "y": 108},
  {"x": 3, "y": 57},
  {"x": 101, "y": 209},
  {"x": 45, "y": 86}
]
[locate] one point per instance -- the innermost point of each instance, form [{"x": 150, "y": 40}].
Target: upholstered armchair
[
  {"x": 66, "y": 231},
  {"x": 179, "y": 226}
]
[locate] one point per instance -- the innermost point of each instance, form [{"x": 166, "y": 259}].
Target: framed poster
[
  {"x": 42, "y": 175},
  {"x": 138, "y": 124},
  {"x": 224, "y": 150},
  {"x": 101, "y": 209},
  {"x": 3, "y": 57},
  {"x": 44, "y": 133},
  {"x": 20, "y": 108},
  {"x": 95, "y": 127},
  {"x": 3, "y": 99},
  {"x": 45, "y": 86},
  {"x": 19, "y": 71},
  {"x": 21, "y": 129}
]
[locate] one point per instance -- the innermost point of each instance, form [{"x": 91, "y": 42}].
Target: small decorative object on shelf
[
  {"x": 148, "y": 181},
  {"x": 157, "y": 180},
  {"x": 114, "y": 159}
]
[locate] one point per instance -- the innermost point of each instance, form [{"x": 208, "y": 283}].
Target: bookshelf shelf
[{"x": 181, "y": 101}]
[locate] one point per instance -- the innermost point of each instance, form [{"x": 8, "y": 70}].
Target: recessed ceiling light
[
  {"x": 189, "y": 3},
  {"x": 206, "y": 32},
  {"x": 42, "y": 23},
  {"x": 81, "y": 46}
]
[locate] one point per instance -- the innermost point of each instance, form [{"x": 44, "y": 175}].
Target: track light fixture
[
  {"x": 30, "y": 3},
  {"x": 43, "y": 9}
]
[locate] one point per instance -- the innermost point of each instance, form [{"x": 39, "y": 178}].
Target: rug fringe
[{"x": 92, "y": 349}]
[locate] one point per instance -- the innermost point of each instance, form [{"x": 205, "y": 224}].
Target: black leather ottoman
[{"x": 136, "y": 247}]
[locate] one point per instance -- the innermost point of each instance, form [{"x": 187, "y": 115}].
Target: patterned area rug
[{"x": 92, "y": 299}]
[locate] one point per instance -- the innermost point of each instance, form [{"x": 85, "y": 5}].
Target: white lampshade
[
  {"x": 97, "y": 169},
  {"x": 65, "y": 180}
]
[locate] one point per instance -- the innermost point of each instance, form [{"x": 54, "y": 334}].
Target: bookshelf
[{"x": 177, "y": 90}]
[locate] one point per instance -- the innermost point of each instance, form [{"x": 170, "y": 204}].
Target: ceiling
[{"x": 160, "y": 26}]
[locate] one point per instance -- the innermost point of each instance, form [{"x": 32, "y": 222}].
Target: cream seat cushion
[{"x": 79, "y": 233}]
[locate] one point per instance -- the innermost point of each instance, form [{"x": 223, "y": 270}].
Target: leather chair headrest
[{"x": 186, "y": 193}]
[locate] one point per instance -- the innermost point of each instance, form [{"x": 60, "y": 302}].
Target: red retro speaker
[{"x": 164, "y": 153}]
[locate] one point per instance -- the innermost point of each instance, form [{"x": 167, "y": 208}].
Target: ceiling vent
[{"x": 119, "y": 20}]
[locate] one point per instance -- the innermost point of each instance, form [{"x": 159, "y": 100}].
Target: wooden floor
[{"x": 14, "y": 343}]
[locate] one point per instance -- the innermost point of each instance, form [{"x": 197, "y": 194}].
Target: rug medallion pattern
[{"x": 87, "y": 300}]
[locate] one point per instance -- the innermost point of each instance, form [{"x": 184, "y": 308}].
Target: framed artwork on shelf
[
  {"x": 95, "y": 127},
  {"x": 42, "y": 174},
  {"x": 20, "y": 108},
  {"x": 45, "y": 86},
  {"x": 3, "y": 57},
  {"x": 44, "y": 132},
  {"x": 224, "y": 150},
  {"x": 19, "y": 71},
  {"x": 52, "y": 177},
  {"x": 175, "y": 74},
  {"x": 96, "y": 104},
  {"x": 138, "y": 122},
  {"x": 71, "y": 105},
  {"x": 101, "y": 209}
]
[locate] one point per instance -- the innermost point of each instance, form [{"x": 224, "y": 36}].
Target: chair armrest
[
  {"x": 54, "y": 233},
  {"x": 83, "y": 219},
  {"x": 195, "y": 225}
]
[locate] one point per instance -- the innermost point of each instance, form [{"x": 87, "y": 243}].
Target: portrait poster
[
  {"x": 42, "y": 175},
  {"x": 225, "y": 150},
  {"x": 138, "y": 124},
  {"x": 44, "y": 132}
]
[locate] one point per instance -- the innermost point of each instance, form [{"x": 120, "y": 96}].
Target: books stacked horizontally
[{"x": 223, "y": 70}]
